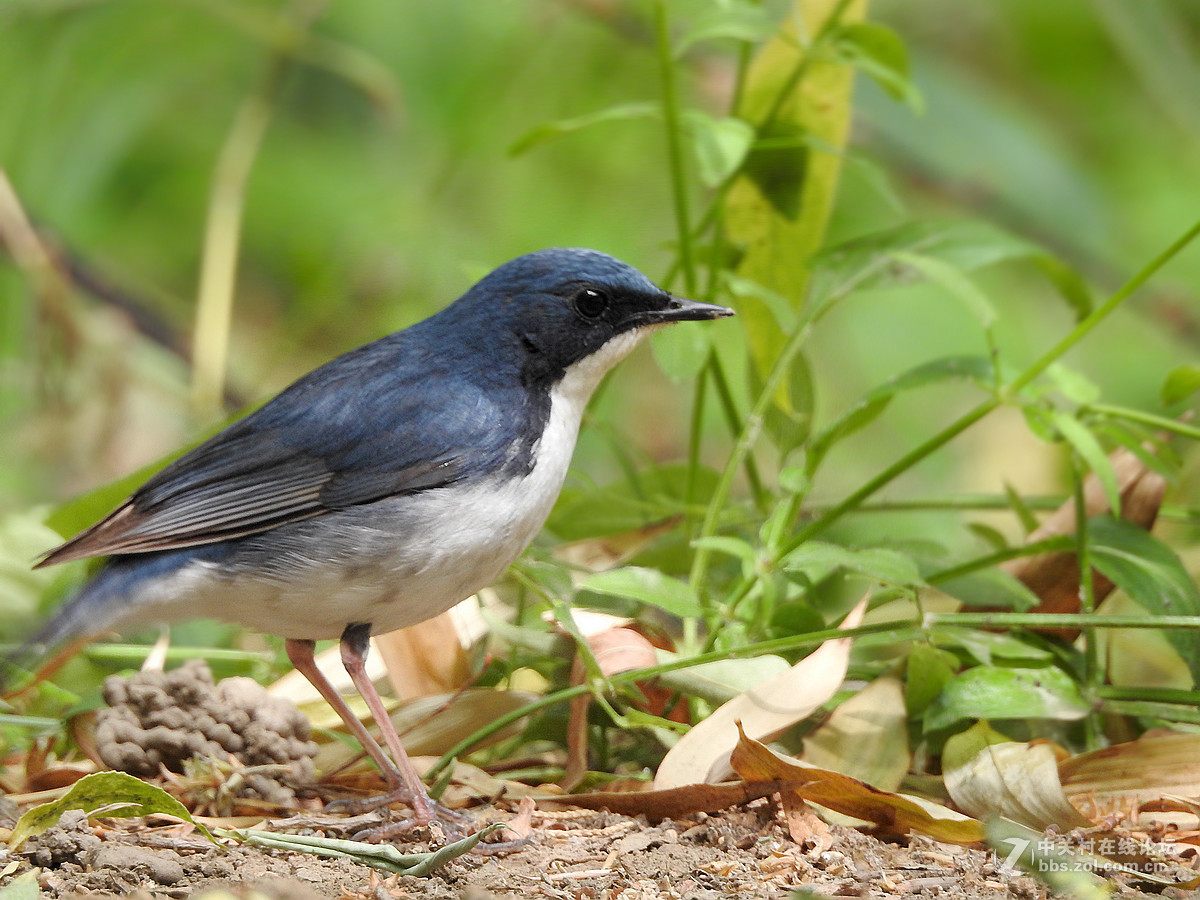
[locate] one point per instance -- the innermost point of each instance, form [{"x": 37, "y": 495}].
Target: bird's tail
[{"x": 105, "y": 601}]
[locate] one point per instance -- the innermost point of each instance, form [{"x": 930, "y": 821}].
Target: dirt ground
[{"x": 570, "y": 854}]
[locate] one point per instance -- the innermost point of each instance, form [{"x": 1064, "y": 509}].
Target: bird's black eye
[{"x": 590, "y": 303}]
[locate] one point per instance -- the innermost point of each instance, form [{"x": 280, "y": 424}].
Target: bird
[{"x": 380, "y": 489}]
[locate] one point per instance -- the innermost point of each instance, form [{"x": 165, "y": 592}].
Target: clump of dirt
[
  {"x": 571, "y": 855},
  {"x": 158, "y": 719}
]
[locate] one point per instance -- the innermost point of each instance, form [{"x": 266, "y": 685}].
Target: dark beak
[{"x": 681, "y": 310}]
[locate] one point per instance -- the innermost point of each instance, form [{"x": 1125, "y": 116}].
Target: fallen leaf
[
  {"x": 987, "y": 775},
  {"x": 891, "y": 813},
  {"x": 865, "y": 737},
  {"x": 765, "y": 711}
]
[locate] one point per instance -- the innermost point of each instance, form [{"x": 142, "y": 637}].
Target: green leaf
[
  {"x": 1088, "y": 447},
  {"x": 23, "y": 887},
  {"x": 658, "y": 493},
  {"x": 739, "y": 21},
  {"x": 990, "y": 587},
  {"x": 720, "y": 145},
  {"x": 987, "y": 646},
  {"x": 1180, "y": 384},
  {"x": 647, "y": 586},
  {"x": 778, "y": 212},
  {"x": 378, "y": 856},
  {"x": 880, "y": 52},
  {"x": 954, "y": 281},
  {"x": 736, "y": 547},
  {"x": 816, "y": 560},
  {"x": 989, "y": 692},
  {"x": 868, "y": 263},
  {"x": 1025, "y": 515},
  {"x": 972, "y": 368},
  {"x": 1152, "y": 575},
  {"x": 549, "y": 131},
  {"x": 682, "y": 350},
  {"x": 1073, "y": 385},
  {"x": 127, "y": 795},
  {"x": 926, "y": 671}
]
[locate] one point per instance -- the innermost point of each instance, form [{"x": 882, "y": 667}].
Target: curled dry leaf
[
  {"x": 1054, "y": 577},
  {"x": 866, "y": 736},
  {"x": 765, "y": 711},
  {"x": 891, "y": 813},
  {"x": 988, "y": 776}
]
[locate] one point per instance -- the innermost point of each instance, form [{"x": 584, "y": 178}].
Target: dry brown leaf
[
  {"x": 426, "y": 658},
  {"x": 765, "y": 711},
  {"x": 1054, "y": 577},
  {"x": 1141, "y": 771},
  {"x": 670, "y": 803},
  {"x": 892, "y": 814}
]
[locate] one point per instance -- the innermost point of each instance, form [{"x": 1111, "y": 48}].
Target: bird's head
[{"x": 570, "y": 310}]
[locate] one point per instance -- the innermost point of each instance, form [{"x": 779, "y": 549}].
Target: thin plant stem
[
  {"x": 673, "y": 126},
  {"x": 1078, "y": 333}
]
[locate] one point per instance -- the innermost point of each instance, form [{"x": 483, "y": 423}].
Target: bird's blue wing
[{"x": 350, "y": 433}]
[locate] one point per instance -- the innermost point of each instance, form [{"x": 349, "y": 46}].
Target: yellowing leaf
[{"x": 866, "y": 736}]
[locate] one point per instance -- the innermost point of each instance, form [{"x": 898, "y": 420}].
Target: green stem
[
  {"x": 1057, "y": 620},
  {"x": 1049, "y": 545},
  {"x": 1078, "y": 333},
  {"x": 741, "y": 450},
  {"x": 671, "y": 119},
  {"x": 1183, "y": 429}
]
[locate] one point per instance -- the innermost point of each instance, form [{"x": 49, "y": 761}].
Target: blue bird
[{"x": 382, "y": 488}]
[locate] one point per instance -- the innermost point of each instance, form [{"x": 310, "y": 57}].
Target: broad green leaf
[
  {"x": 23, "y": 887},
  {"x": 659, "y": 493},
  {"x": 990, "y": 588},
  {"x": 1073, "y": 385},
  {"x": 682, "y": 350},
  {"x": 731, "y": 545},
  {"x": 867, "y": 262},
  {"x": 1085, "y": 444},
  {"x": 720, "y": 144},
  {"x": 127, "y": 796},
  {"x": 816, "y": 560},
  {"x": 991, "y": 692},
  {"x": 1152, "y": 575},
  {"x": 879, "y": 52},
  {"x": 926, "y": 671},
  {"x": 719, "y": 682},
  {"x": 988, "y": 646},
  {"x": 1181, "y": 383},
  {"x": 549, "y": 131},
  {"x": 648, "y": 586}
]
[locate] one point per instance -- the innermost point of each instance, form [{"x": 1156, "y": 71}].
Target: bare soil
[{"x": 570, "y": 854}]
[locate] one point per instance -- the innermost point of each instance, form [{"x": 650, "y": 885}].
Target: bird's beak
[{"x": 681, "y": 310}]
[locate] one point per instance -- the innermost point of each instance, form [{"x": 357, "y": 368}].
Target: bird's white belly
[{"x": 391, "y": 563}]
